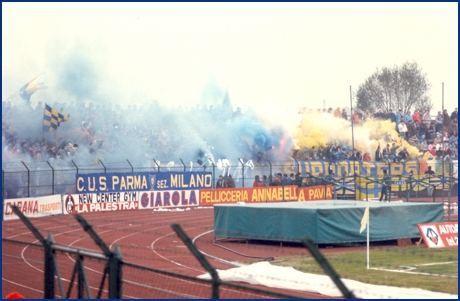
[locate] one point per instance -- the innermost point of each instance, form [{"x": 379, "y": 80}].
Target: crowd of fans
[
  {"x": 437, "y": 136},
  {"x": 106, "y": 131},
  {"x": 96, "y": 131}
]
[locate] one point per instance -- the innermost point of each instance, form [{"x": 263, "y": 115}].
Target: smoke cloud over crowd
[{"x": 114, "y": 124}]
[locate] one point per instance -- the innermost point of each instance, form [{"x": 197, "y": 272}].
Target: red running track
[{"x": 144, "y": 238}]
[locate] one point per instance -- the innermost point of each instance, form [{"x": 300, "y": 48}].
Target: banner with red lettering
[
  {"x": 439, "y": 235},
  {"x": 93, "y": 202},
  {"x": 168, "y": 199},
  {"x": 33, "y": 207}
]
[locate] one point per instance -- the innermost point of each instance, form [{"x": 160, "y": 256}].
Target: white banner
[
  {"x": 109, "y": 201},
  {"x": 33, "y": 207},
  {"x": 169, "y": 199}
]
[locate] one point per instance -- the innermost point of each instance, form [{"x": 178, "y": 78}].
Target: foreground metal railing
[{"x": 114, "y": 266}]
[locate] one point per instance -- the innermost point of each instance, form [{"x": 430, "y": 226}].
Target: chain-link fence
[{"x": 349, "y": 179}]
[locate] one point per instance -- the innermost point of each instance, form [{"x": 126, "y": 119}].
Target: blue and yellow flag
[
  {"x": 32, "y": 86},
  {"x": 52, "y": 119}
]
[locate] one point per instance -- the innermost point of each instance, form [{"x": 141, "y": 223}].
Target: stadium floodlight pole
[
  {"x": 443, "y": 150},
  {"x": 352, "y": 132}
]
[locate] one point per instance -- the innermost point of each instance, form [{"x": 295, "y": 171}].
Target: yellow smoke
[{"x": 323, "y": 128}]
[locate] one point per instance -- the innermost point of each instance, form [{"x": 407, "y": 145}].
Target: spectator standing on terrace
[
  {"x": 25, "y": 150},
  {"x": 309, "y": 180},
  {"x": 73, "y": 150},
  {"x": 410, "y": 129},
  {"x": 221, "y": 182},
  {"x": 379, "y": 114},
  {"x": 38, "y": 156},
  {"x": 355, "y": 117},
  {"x": 424, "y": 145},
  {"x": 229, "y": 181},
  {"x": 367, "y": 115},
  {"x": 426, "y": 118},
  {"x": 297, "y": 180},
  {"x": 438, "y": 122},
  {"x": 277, "y": 180},
  {"x": 408, "y": 117},
  {"x": 454, "y": 114},
  {"x": 386, "y": 152},
  {"x": 423, "y": 130},
  {"x": 416, "y": 117},
  {"x": 439, "y": 151},
  {"x": 344, "y": 114},
  {"x": 402, "y": 129},
  {"x": 319, "y": 153},
  {"x": 391, "y": 116},
  {"x": 453, "y": 126},
  {"x": 51, "y": 153},
  {"x": 430, "y": 173},
  {"x": 399, "y": 118},
  {"x": 312, "y": 154},
  {"x": 366, "y": 157},
  {"x": 446, "y": 121},
  {"x": 385, "y": 184},
  {"x": 329, "y": 177},
  {"x": 337, "y": 113},
  {"x": 257, "y": 182},
  {"x": 62, "y": 152},
  {"x": 447, "y": 151},
  {"x": 357, "y": 155},
  {"x": 285, "y": 180},
  {"x": 265, "y": 180},
  {"x": 394, "y": 147},
  {"x": 378, "y": 154},
  {"x": 403, "y": 155}
]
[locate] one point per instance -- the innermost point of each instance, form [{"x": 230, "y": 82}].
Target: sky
[{"x": 266, "y": 55}]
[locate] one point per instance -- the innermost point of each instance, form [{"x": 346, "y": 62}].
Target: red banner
[
  {"x": 314, "y": 193},
  {"x": 209, "y": 197},
  {"x": 439, "y": 235}
]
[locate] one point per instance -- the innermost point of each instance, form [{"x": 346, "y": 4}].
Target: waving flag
[
  {"x": 365, "y": 219},
  {"x": 31, "y": 87},
  {"x": 52, "y": 119}
]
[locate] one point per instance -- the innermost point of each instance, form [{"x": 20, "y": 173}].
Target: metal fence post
[
  {"x": 183, "y": 164},
  {"x": 49, "y": 268},
  {"x": 158, "y": 166},
  {"x": 213, "y": 172},
  {"x": 209, "y": 268},
  {"x": 47, "y": 243},
  {"x": 115, "y": 274},
  {"x": 115, "y": 260},
  {"x": 271, "y": 171},
  {"x": 242, "y": 169},
  {"x": 102, "y": 163},
  {"x": 327, "y": 268},
  {"x": 28, "y": 178},
  {"x": 52, "y": 177}
]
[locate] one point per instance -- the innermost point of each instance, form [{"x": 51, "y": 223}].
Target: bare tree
[{"x": 404, "y": 87}]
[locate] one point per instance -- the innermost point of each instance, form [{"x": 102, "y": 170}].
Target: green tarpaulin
[{"x": 323, "y": 221}]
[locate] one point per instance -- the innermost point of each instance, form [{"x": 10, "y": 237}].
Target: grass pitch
[{"x": 412, "y": 267}]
